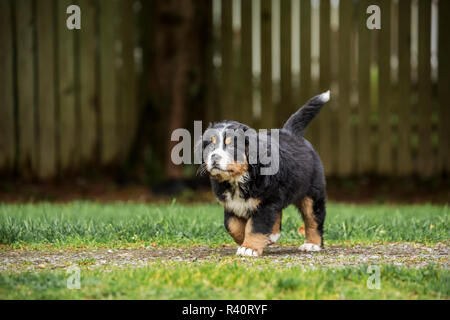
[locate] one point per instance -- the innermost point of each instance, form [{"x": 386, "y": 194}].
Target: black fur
[{"x": 300, "y": 174}]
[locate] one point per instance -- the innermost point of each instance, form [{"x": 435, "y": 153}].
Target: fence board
[
  {"x": 267, "y": 107},
  {"x": 108, "y": 81},
  {"x": 325, "y": 134},
  {"x": 54, "y": 126},
  {"x": 27, "y": 161},
  {"x": 305, "y": 51},
  {"x": 46, "y": 79},
  {"x": 425, "y": 157},
  {"x": 236, "y": 72},
  {"x": 286, "y": 107},
  {"x": 227, "y": 107},
  {"x": 7, "y": 127},
  {"x": 305, "y": 64},
  {"x": 384, "y": 94},
  {"x": 345, "y": 25},
  {"x": 404, "y": 163},
  {"x": 147, "y": 42},
  {"x": 444, "y": 85},
  {"x": 128, "y": 78},
  {"x": 364, "y": 158},
  {"x": 211, "y": 92},
  {"x": 246, "y": 62},
  {"x": 88, "y": 82},
  {"x": 66, "y": 90}
]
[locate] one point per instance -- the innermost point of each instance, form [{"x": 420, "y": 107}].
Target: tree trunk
[{"x": 175, "y": 65}]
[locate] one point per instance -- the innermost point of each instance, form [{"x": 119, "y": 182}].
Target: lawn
[
  {"x": 77, "y": 229},
  {"x": 229, "y": 280},
  {"x": 127, "y": 224}
]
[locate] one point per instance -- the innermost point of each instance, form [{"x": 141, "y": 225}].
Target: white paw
[
  {"x": 273, "y": 238},
  {"x": 308, "y": 247},
  {"x": 243, "y": 251}
]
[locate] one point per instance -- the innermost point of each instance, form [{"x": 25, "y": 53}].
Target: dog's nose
[{"x": 215, "y": 159}]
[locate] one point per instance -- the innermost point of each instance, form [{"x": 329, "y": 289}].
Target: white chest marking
[{"x": 239, "y": 206}]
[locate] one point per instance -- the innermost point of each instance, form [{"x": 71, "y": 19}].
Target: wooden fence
[
  {"x": 68, "y": 99},
  {"x": 389, "y": 113}
]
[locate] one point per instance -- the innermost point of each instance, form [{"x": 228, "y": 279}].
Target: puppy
[{"x": 254, "y": 201}]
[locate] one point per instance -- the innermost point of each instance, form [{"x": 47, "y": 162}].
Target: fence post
[
  {"x": 7, "y": 123},
  {"x": 27, "y": 162},
  {"x": 108, "y": 82},
  {"x": 364, "y": 158},
  {"x": 66, "y": 90},
  {"x": 210, "y": 79},
  {"x": 46, "y": 88},
  {"x": 325, "y": 133},
  {"x": 444, "y": 85},
  {"x": 227, "y": 103},
  {"x": 425, "y": 163},
  {"x": 286, "y": 107},
  {"x": 345, "y": 139},
  {"x": 267, "y": 107},
  {"x": 404, "y": 162},
  {"x": 246, "y": 63},
  {"x": 128, "y": 105},
  {"x": 305, "y": 51},
  {"x": 88, "y": 81},
  {"x": 384, "y": 94}
]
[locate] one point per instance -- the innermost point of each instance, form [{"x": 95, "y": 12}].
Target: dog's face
[{"x": 225, "y": 151}]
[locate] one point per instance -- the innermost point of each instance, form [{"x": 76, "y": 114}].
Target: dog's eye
[
  {"x": 228, "y": 140},
  {"x": 213, "y": 140}
]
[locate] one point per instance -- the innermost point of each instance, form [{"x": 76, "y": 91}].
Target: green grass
[
  {"x": 88, "y": 224},
  {"x": 230, "y": 279},
  {"x": 127, "y": 224}
]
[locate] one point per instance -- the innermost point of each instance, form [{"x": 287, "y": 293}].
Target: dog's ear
[
  {"x": 202, "y": 147},
  {"x": 202, "y": 142}
]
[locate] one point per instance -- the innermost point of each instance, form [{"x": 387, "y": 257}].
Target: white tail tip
[{"x": 325, "y": 97}]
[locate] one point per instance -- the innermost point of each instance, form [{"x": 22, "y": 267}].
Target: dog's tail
[{"x": 298, "y": 122}]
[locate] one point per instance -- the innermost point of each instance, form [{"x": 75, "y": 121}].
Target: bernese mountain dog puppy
[{"x": 253, "y": 201}]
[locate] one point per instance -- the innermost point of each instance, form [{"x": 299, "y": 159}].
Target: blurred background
[{"x": 88, "y": 113}]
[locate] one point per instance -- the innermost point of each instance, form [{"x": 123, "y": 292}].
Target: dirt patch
[{"x": 400, "y": 254}]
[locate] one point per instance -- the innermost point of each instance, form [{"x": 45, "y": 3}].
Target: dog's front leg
[
  {"x": 258, "y": 230},
  {"x": 235, "y": 227}
]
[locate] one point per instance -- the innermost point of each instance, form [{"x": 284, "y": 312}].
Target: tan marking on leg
[
  {"x": 276, "y": 230},
  {"x": 277, "y": 226},
  {"x": 236, "y": 227},
  {"x": 312, "y": 233},
  {"x": 255, "y": 241}
]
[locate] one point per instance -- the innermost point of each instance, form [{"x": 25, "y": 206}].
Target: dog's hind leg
[{"x": 313, "y": 214}]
